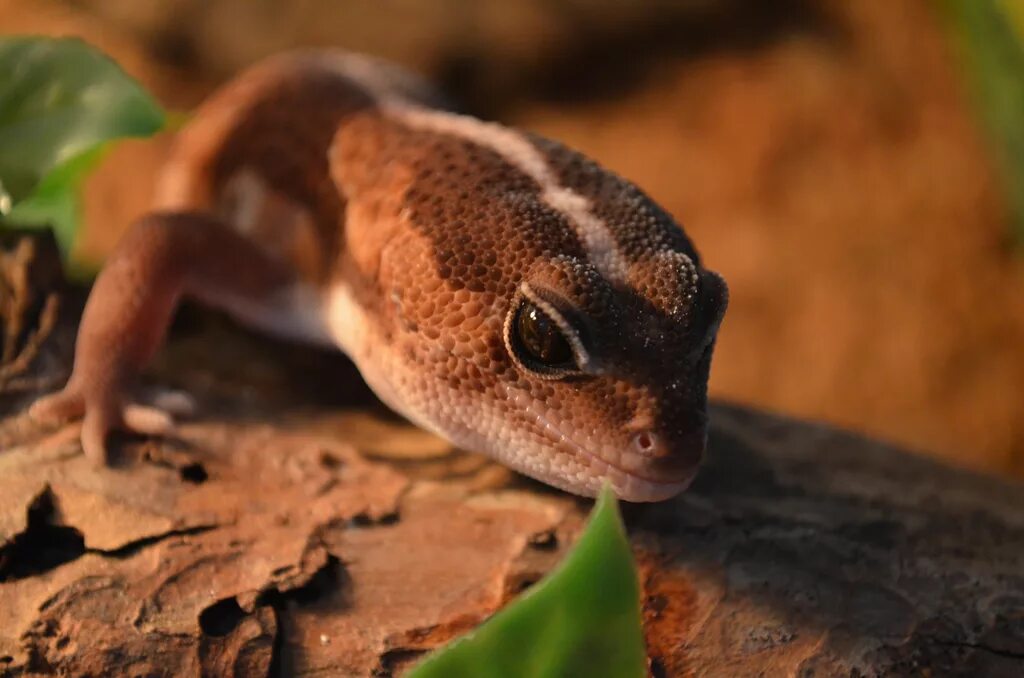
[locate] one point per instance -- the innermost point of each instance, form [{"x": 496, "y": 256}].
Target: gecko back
[{"x": 255, "y": 152}]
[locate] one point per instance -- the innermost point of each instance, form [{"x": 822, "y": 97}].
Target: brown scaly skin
[{"x": 495, "y": 287}]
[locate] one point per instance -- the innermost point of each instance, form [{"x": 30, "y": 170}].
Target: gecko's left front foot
[
  {"x": 101, "y": 415},
  {"x": 162, "y": 256}
]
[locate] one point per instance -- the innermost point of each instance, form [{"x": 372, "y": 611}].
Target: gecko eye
[{"x": 539, "y": 341}]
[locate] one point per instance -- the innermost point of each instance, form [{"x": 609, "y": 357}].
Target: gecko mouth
[{"x": 628, "y": 485}]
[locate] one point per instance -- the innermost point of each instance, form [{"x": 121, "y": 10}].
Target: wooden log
[{"x": 298, "y": 528}]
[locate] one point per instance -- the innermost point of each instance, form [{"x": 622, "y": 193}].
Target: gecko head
[
  {"x": 539, "y": 309},
  {"x": 569, "y": 377},
  {"x": 610, "y": 378},
  {"x": 559, "y": 371}
]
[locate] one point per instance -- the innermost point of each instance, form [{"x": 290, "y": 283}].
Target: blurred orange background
[{"x": 826, "y": 157}]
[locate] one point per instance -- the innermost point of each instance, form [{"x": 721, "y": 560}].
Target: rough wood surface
[{"x": 297, "y": 528}]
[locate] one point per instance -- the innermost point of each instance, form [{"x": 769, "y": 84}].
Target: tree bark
[{"x": 298, "y": 528}]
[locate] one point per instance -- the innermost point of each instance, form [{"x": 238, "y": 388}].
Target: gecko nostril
[{"x": 649, "y": 444}]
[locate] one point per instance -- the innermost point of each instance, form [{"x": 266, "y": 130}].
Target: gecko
[{"x": 492, "y": 286}]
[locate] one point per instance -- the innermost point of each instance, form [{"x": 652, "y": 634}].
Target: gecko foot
[{"x": 106, "y": 414}]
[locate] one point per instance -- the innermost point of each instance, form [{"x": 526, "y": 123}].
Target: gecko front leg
[{"x": 163, "y": 256}]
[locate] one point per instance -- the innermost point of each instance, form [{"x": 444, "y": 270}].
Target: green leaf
[
  {"x": 583, "y": 619},
  {"x": 54, "y": 202},
  {"x": 991, "y": 37},
  {"x": 61, "y": 101}
]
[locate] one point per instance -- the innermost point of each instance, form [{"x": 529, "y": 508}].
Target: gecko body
[{"x": 491, "y": 285}]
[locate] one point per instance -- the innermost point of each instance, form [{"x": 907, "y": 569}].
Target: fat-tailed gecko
[{"x": 491, "y": 285}]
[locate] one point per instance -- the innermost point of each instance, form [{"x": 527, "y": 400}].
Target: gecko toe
[
  {"x": 95, "y": 427},
  {"x": 147, "y": 420},
  {"x": 173, "y": 402},
  {"x": 64, "y": 405}
]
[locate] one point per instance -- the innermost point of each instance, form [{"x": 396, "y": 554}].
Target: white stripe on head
[{"x": 515, "y": 148}]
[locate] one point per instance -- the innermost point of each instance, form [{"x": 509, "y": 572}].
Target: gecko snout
[
  {"x": 668, "y": 453},
  {"x": 660, "y": 454}
]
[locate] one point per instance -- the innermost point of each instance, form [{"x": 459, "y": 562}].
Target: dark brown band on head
[
  {"x": 638, "y": 224},
  {"x": 485, "y": 217}
]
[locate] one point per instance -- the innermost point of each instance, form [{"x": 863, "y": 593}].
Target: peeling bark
[{"x": 297, "y": 528}]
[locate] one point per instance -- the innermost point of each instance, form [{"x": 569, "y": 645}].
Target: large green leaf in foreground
[
  {"x": 581, "y": 620},
  {"x": 60, "y": 102}
]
